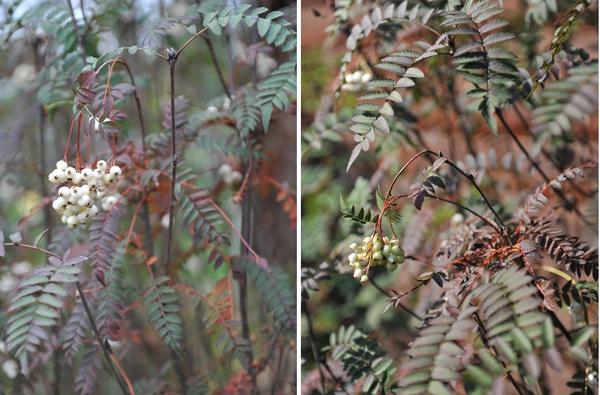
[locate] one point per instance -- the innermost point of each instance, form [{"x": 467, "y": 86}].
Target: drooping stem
[
  {"x": 567, "y": 203},
  {"x": 487, "y": 221},
  {"x": 472, "y": 181},
  {"x": 213, "y": 56},
  {"x": 454, "y": 166},
  {"x": 512, "y": 134},
  {"x": 105, "y": 350},
  {"x": 77, "y": 33},
  {"x": 545, "y": 152},
  {"x": 411, "y": 160}
]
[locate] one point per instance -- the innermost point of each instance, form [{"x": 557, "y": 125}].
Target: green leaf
[{"x": 262, "y": 26}]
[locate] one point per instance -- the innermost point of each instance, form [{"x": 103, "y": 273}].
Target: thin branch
[
  {"x": 105, "y": 350},
  {"x": 82, "y": 6},
  {"x": 471, "y": 179},
  {"x": 487, "y": 221},
  {"x": 313, "y": 346},
  {"x": 242, "y": 278},
  {"x": 76, "y": 30},
  {"x": 173, "y": 167},
  {"x": 172, "y": 200},
  {"x": 567, "y": 203},
  {"x": 195, "y": 36},
  {"x": 465, "y": 175},
  {"x": 34, "y": 248},
  {"x": 42, "y": 147},
  {"x": 486, "y": 342},
  {"x": 215, "y": 62},
  {"x": 521, "y": 147},
  {"x": 390, "y": 296},
  {"x": 278, "y": 370}
]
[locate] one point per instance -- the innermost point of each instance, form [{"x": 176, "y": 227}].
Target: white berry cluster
[
  {"x": 373, "y": 251},
  {"x": 354, "y": 82},
  {"x": 77, "y": 197}
]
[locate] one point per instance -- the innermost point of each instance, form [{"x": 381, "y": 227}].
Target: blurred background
[
  {"x": 39, "y": 62},
  {"x": 428, "y": 120}
]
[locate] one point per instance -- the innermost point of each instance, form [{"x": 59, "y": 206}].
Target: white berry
[
  {"x": 86, "y": 173},
  {"x": 82, "y": 217},
  {"x": 72, "y": 221},
  {"x": 69, "y": 172},
  {"x": 59, "y": 203},
  {"x": 84, "y": 201},
  {"x": 75, "y": 192},
  {"x": 64, "y": 192},
  {"x": 115, "y": 171},
  {"x": 53, "y": 177},
  {"x": 61, "y": 165},
  {"x": 101, "y": 165},
  {"x": 76, "y": 178}
]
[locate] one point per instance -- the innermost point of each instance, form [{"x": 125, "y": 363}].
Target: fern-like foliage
[
  {"x": 91, "y": 365},
  {"x": 198, "y": 211},
  {"x": 104, "y": 234},
  {"x": 36, "y": 306},
  {"x": 567, "y": 251},
  {"x": 566, "y": 101},
  {"x": 75, "y": 331},
  {"x": 235, "y": 345},
  {"x": 383, "y": 14},
  {"x": 361, "y": 215},
  {"x": 537, "y": 202},
  {"x": 369, "y": 115},
  {"x": 561, "y": 36},
  {"x": 513, "y": 326},
  {"x": 111, "y": 299},
  {"x": 270, "y": 26},
  {"x": 362, "y": 357},
  {"x": 277, "y": 294},
  {"x": 255, "y": 107},
  {"x": 490, "y": 69},
  {"x": 436, "y": 354},
  {"x": 162, "y": 309},
  {"x": 273, "y": 92},
  {"x": 246, "y": 113}
]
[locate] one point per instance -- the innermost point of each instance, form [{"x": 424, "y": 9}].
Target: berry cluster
[
  {"x": 76, "y": 202},
  {"x": 373, "y": 251},
  {"x": 354, "y": 82}
]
